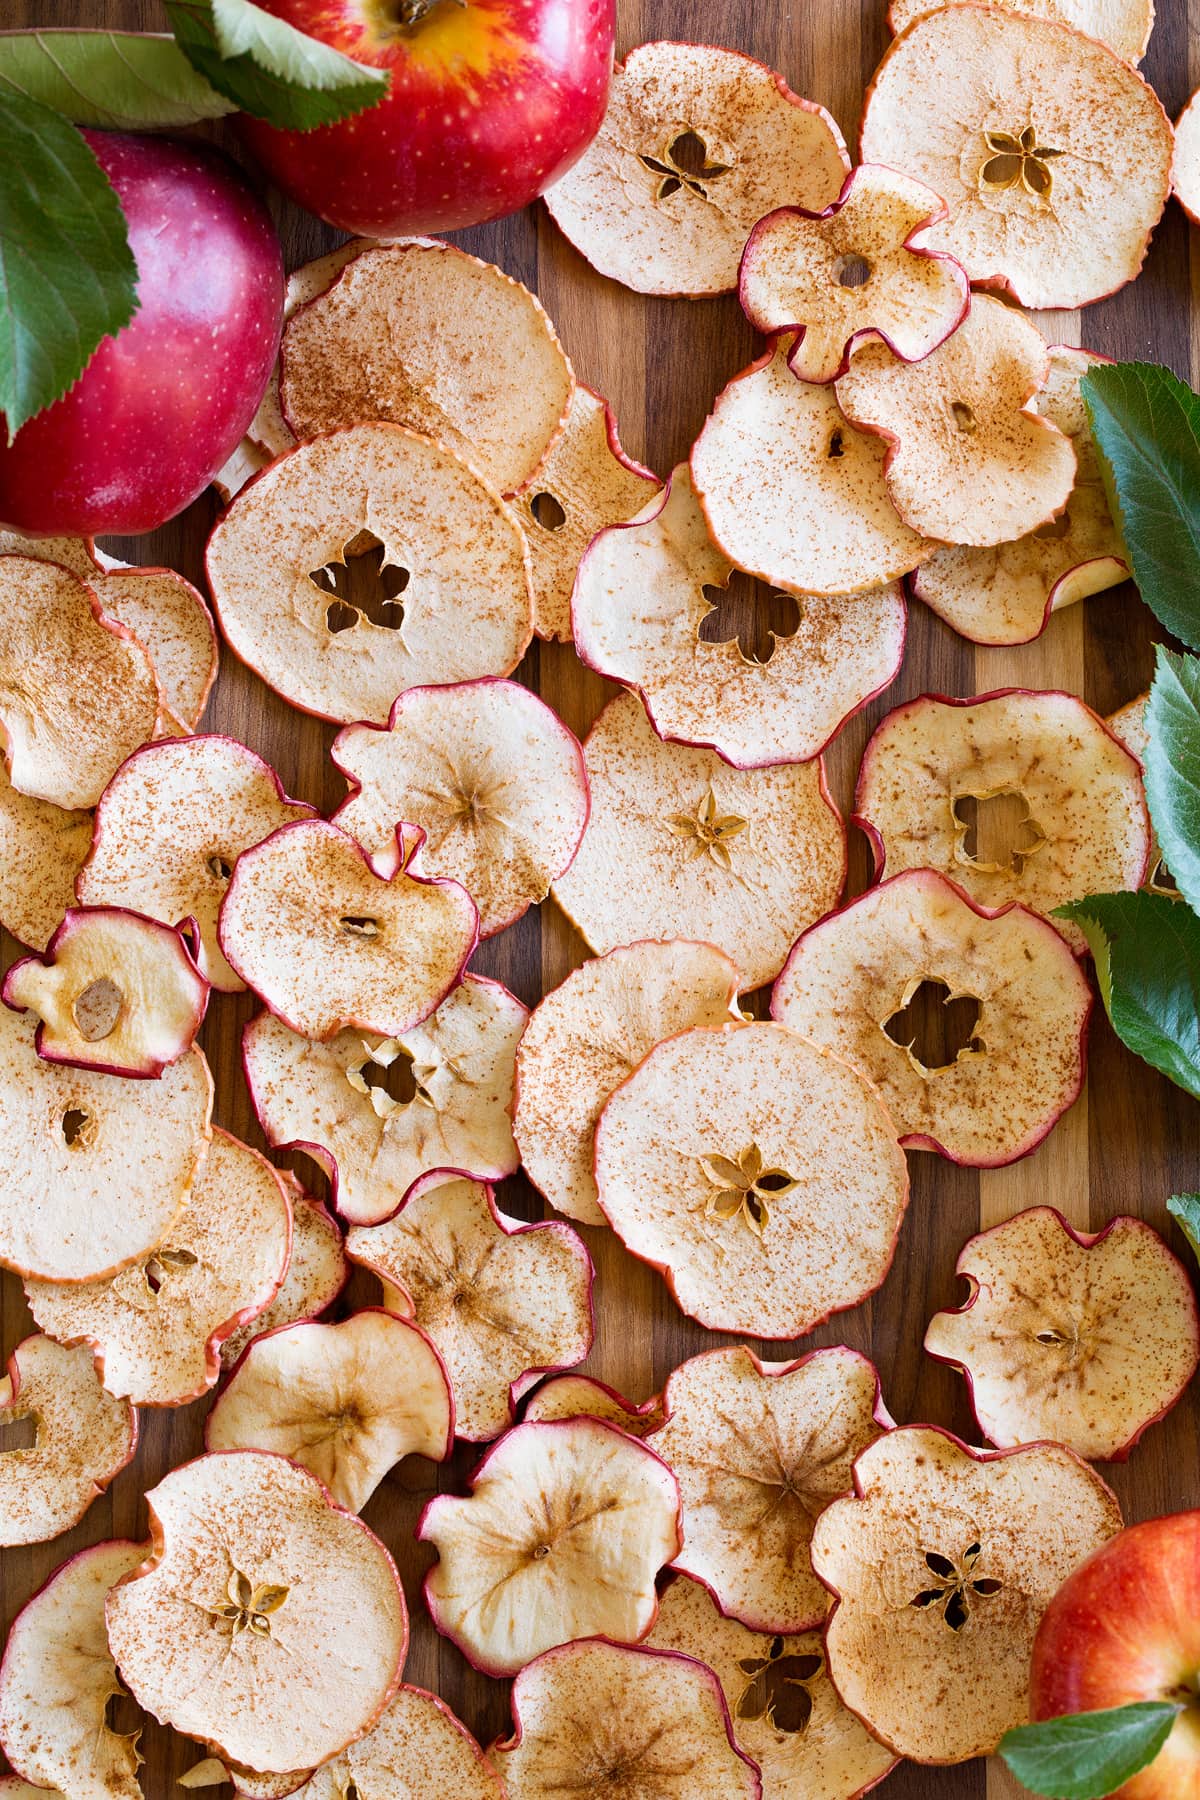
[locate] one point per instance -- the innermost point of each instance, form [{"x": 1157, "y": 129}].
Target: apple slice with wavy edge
[
  {"x": 1185, "y": 169},
  {"x": 317, "y": 1271},
  {"x": 42, "y": 849},
  {"x": 583, "y": 1397},
  {"x": 269, "y": 434},
  {"x": 1128, "y": 724},
  {"x": 503, "y": 1302},
  {"x": 85, "y": 1437},
  {"x": 1124, "y": 25}
]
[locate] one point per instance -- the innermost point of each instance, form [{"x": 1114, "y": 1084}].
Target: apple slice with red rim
[
  {"x": 583, "y": 1397},
  {"x": 317, "y": 1271},
  {"x": 84, "y": 1437}
]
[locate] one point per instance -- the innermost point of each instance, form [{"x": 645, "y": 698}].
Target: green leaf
[
  {"x": 121, "y": 80},
  {"x": 68, "y": 278},
  {"x": 1147, "y": 951},
  {"x": 1172, "y": 762},
  {"x": 1186, "y": 1209},
  {"x": 268, "y": 68},
  {"x": 1146, "y": 426},
  {"x": 1082, "y": 1756}
]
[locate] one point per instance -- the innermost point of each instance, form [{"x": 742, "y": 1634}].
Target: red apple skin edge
[
  {"x": 161, "y": 406},
  {"x": 490, "y": 102},
  {"x": 1125, "y": 1626}
]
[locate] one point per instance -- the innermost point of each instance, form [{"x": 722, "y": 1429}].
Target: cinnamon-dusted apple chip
[
  {"x": 1124, "y": 25},
  {"x": 418, "y": 1747},
  {"x": 759, "y": 1173},
  {"x": 679, "y": 844},
  {"x": 42, "y": 849},
  {"x": 583, "y": 1397},
  {"x": 1086, "y": 1338},
  {"x": 315, "y": 1275},
  {"x": 856, "y": 270},
  {"x": 378, "y": 1115},
  {"x": 488, "y": 773},
  {"x": 697, "y": 144},
  {"x": 564, "y": 1530},
  {"x": 1128, "y": 724},
  {"x": 156, "y": 1328},
  {"x": 758, "y": 1450},
  {"x": 368, "y": 561},
  {"x": 269, "y": 429},
  {"x": 1012, "y": 1052},
  {"x": 502, "y": 1301},
  {"x": 84, "y": 1438},
  {"x": 941, "y": 1565},
  {"x": 1185, "y": 170},
  {"x": 1053, "y": 155}
]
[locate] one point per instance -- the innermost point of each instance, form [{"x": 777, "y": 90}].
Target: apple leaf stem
[
  {"x": 268, "y": 68},
  {"x": 1083, "y": 1756}
]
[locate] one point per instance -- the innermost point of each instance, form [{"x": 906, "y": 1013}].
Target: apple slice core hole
[
  {"x": 751, "y": 614},
  {"x": 548, "y": 511},
  {"x": 364, "y": 582},
  {"x": 852, "y": 271},
  {"x": 18, "y": 1434},
  {"x": 996, "y": 831},
  {"x": 777, "y": 1690},
  {"x": 935, "y": 1026},
  {"x": 78, "y": 1128},
  {"x": 97, "y": 1009}
]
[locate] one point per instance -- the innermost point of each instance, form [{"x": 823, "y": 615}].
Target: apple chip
[
  {"x": 642, "y": 599},
  {"x": 1124, "y": 25},
  {"x": 759, "y": 1449},
  {"x": 1018, "y": 795},
  {"x": 397, "y": 337},
  {"x": 679, "y": 844},
  {"x": 1053, "y": 155},
  {"x": 171, "y": 825},
  {"x": 166, "y": 615},
  {"x": 74, "y": 553},
  {"x": 315, "y": 1275},
  {"x": 1128, "y": 724},
  {"x": 58, "y": 1677},
  {"x": 697, "y": 144},
  {"x": 156, "y": 1328},
  {"x": 42, "y": 849},
  {"x": 854, "y": 271},
  {"x": 563, "y": 1532},
  {"x": 1185, "y": 171},
  {"x": 583, "y": 1397},
  {"x": 269, "y": 1623},
  {"x": 369, "y": 561},
  {"x": 792, "y": 492},
  {"x": 616, "y": 1723},
  {"x": 759, "y": 1173},
  {"x": 378, "y": 1115},
  {"x": 84, "y": 1438},
  {"x": 1082, "y": 1337},
  {"x": 268, "y": 428},
  {"x": 985, "y": 1084},
  {"x": 488, "y": 773},
  {"x": 94, "y": 1170},
  {"x": 503, "y": 1302},
  {"x": 941, "y": 1565},
  {"x": 587, "y": 1035},
  {"x": 786, "y": 1714},
  {"x": 382, "y": 946},
  {"x": 418, "y": 1747},
  {"x": 248, "y": 460}
]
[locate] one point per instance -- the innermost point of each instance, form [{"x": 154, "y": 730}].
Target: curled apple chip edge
[
  {"x": 1124, "y": 25},
  {"x": 42, "y": 849},
  {"x": 317, "y": 1271},
  {"x": 582, "y": 1396},
  {"x": 84, "y": 1438},
  {"x": 1185, "y": 169}
]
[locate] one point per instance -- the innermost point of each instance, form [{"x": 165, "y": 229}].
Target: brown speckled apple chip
[
  {"x": 759, "y": 1449},
  {"x": 501, "y": 1301},
  {"x": 418, "y": 1747},
  {"x": 1053, "y": 155},
  {"x": 697, "y": 144},
  {"x": 1124, "y": 25},
  {"x": 42, "y": 849},
  {"x": 1185, "y": 171},
  {"x": 269, "y": 431},
  {"x": 679, "y": 844},
  {"x": 1022, "y": 1007},
  {"x": 583, "y": 1397},
  {"x": 369, "y": 561},
  {"x": 156, "y": 1328},
  {"x": 1128, "y": 724},
  {"x": 378, "y": 1115},
  {"x": 561, "y": 1537},
  {"x": 316, "y": 1271},
  {"x": 759, "y": 1173},
  {"x": 84, "y": 1438},
  {"x": 941, "y": 1565},
  {"x": 1082, "y": 1337}
]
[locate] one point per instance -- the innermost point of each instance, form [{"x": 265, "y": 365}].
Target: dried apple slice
[
  {"x": 502, "y": 1302},
  {"x": 1053, "y": 155},
  {"x": 84, "y": 1438},
  {"x": 268, "y": 428},
  {"x": 563, "y": 1532},
  {"x": 587, "y": 1035},
  {"x": 852, "y": 978},
  {"x": 317, "y": 1272},
  {"x": 247, "y": 461},
  {"x": 1018, "y": 795},
  {"x": 1128, "y": 724},
  {"x": 378, "y": 1116},
  {"x": 42, "y": 849},
  {"x": 74, "y": 553},
  {"x": 617, "y": 1723},
  {"x": 172, "y": 823},
  {"x": 488, "y": 773},
  {"x": 941, "y": 1565},
  {"x": 418, "y": 1747},
  {"x": 854, "y": 271},
  {"x": 785, "y": 1711},
  {"x": 268, "y": 1622},
  {"x": 641, "y": 599},
  {"x": 792, "y": 492},
  {"x": 697, "y": 144},
  {"x": 447, "y": 599},
  {"x": 1124, "y": 25},
  {"x": 1185, "y": 170},
  {"x": 1086, "y": 1338},
  {"x": 758, "y": 1173},
  {"x": 759, "y": 1449},
  {"x": 167, "y": 615},
  {"x": 583, "y": 1397},
  {"x": 58, "y": 1677},
  {"x": 678, "y": 844}
]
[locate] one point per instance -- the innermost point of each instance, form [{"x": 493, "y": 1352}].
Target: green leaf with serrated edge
[
  {"x": 1083, "y": 1756},
  {"x": 268, "y": 68},
  {"x": 1147, "y": 951},
  {"x": 1146, "y": 427},
  {"x": 1185, "y": 1208},
  {"x": 119, "y": 80},
  {"x": 68, "y": 278},
  {"x": 1172, "y": 764}
]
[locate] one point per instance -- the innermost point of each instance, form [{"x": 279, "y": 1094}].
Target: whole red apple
[
  {"x": 162, "y": 405},
  {"x": 1126, "y": 1626},
  {"x": 490, "y": 101}
]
